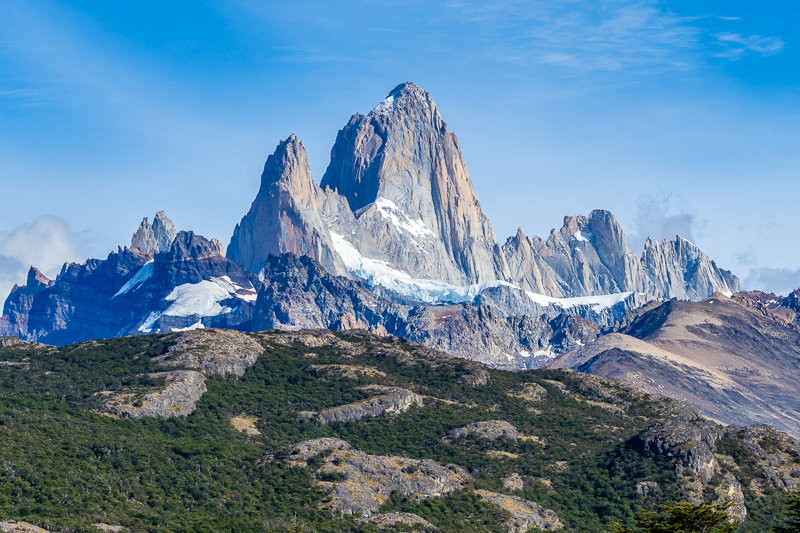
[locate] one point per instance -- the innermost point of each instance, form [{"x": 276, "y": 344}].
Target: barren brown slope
[{"x": 733, "y": 363}]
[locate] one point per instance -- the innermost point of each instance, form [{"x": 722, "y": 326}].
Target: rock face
[
  {"x": 525, "y": 515},
  {"x": 587, "y": 256},
  {"x": 404, "y": 177},
  {"x": 682, "y": 260},
  {"x": 490, "y": 429},
  {"x": 286, "y": 214},
  {"x": 733, "y": 359},
  {"x": 590, "y": 256},
  {"x": 392, "y": 400},
  {"x": 156, "y": 238},
  {"x": 364, "y": 482}
]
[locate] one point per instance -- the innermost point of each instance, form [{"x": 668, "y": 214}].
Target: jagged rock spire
[
  {"x": 285, "y": 216},
  {"x": 157, "y": 237}
]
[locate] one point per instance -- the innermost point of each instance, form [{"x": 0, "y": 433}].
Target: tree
[
  {"x": 792, "y": 522},
  {"x": 684, "y": 518}
]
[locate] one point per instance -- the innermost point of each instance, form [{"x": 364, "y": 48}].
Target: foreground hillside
[{"x": 215, "y": 430}]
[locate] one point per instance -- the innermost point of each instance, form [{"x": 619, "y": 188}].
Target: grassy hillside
[{"x": 66, "y": 465}]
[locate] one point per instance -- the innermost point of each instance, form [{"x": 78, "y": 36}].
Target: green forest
[{"x": 66, "y": 465}]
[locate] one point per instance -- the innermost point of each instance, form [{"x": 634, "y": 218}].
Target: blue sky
[{"x": 678, "y": 117}]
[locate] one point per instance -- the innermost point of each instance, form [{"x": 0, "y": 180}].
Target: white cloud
[
  {"x": 46, "y": 244},
  {"x": 658, "y": 219}
]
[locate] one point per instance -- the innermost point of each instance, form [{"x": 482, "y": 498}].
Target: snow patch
[
  {"x": 385, "y": 106},
  {"x": 197, "y": 325},
  {"x": 200, "y": 299},
  {"x": 379, "y": 272},
  {"x": 400, "y": 220},
  {"x": 144, "y": 273},
  {"x": 579, "y": 236}
]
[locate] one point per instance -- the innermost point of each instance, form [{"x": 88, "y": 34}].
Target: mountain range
[{"x": 393, "y": 240}]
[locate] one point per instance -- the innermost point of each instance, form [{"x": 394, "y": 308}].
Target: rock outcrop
[
  {"x": 393, "y": 400},
  {"x": 363, "y": 482},
  {"x": 219, "y": 352},
  {"x": 697, "y": 445},
  {"x": 490, "y": 429},
  {"x": 14, "y": 526},
  {"x": 205, "y": 352},
  {"x": 513, "y": 482},
  {"x": 303, "y": 451},
  {"x": 525, "y": 515},
  {"x": 180, "y": 395},
  {"x": 392, "y": 520}
]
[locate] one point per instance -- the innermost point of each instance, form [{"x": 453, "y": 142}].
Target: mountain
[
  {"x": 736, "y": 359},
  {"x": 150, "y": 286},
  {"x": 396, "y": 207},
  {"x": 219, "y": 430},
  {"x": 286, "y": 216},
  {"x": 403, "y": 175}
]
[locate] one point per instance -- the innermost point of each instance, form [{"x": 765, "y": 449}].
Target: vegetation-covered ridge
[{"x": 591, "y": 450}]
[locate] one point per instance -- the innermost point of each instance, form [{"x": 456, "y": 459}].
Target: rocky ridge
[{"x": 732, "y": 358}]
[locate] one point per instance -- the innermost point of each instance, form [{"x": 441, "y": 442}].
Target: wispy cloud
[
  {"x": 736, "y": 45},
  {"x": 603, "y": 35},
  {"x": 47, "y": 244}
]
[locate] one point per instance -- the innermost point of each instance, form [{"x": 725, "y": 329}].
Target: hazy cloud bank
[
  {"x": 658, "y": 219},
  {"x": 47, "y": 244},
  {"x": 781, "y": 281}
]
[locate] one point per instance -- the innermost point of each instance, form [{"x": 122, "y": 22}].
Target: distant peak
[{"x": 158, "y": 236}]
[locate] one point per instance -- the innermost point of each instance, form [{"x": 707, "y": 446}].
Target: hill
[{"x": 313, "y": 430}]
